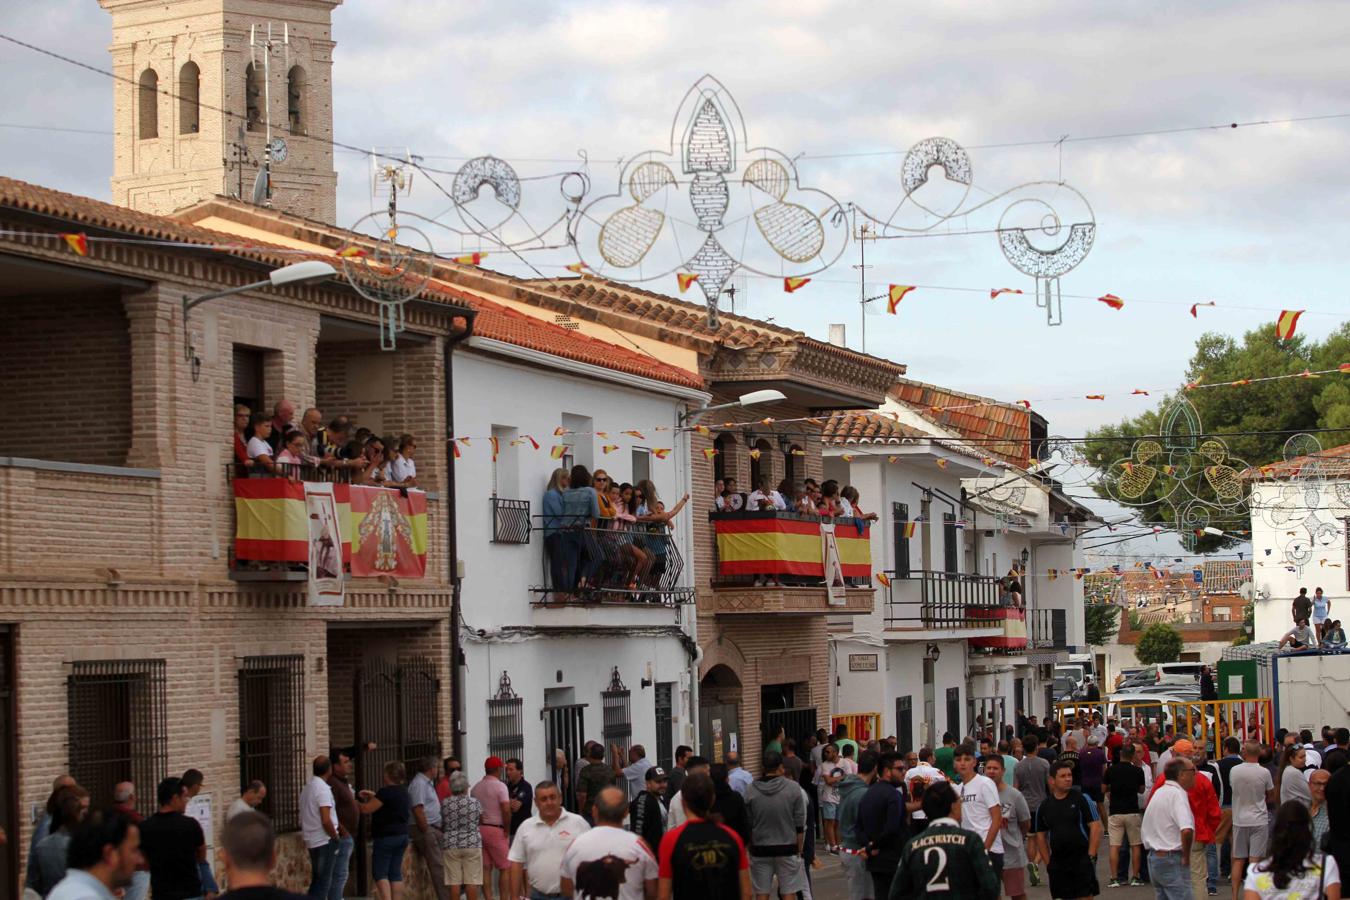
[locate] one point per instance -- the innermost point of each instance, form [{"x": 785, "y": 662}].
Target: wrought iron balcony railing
[
  {"x": 926, "y": 599},
  {"x": 634, "y": 563}
]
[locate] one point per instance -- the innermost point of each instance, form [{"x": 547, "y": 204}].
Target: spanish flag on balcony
[
  {"x": 384, "y": 530},
  {"x": 770, "y": 545}
]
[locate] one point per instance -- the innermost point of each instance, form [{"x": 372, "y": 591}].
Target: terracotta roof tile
[
  {"x": 1330, "y": 463},
  {"x": 1003, "y": 430},
  {"x": 494, "y": 320},
  {"x": 844, "y": 428}
]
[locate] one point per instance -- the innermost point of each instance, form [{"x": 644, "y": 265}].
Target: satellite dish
[
  {"x": 260, "y": 185},
  {"x": 1246, "y": 592}
]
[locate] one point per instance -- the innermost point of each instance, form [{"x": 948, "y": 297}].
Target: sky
[{"x": 1249, "y": 217}]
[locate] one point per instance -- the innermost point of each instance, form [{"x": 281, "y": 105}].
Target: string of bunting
[{"x": 1286, "y": 323}]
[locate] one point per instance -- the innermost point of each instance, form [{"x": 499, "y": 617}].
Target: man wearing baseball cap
[
  {"x": 1204, "y": 809},
  {"x": 492, "y": 794},
  {"x": 647, "y": 814}
]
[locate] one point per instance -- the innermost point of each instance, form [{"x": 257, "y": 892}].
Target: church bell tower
[{"x": 195, "y": 96}]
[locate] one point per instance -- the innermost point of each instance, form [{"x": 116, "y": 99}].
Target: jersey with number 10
[{"x": 945, "y": 860}]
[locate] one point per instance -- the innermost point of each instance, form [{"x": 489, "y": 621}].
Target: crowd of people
[
  {"x": 979, "y": 819},
  {"x": 807, "y": 497},
  {"x": 603, "y": 536},
  {"x": 278, "y": 446}
]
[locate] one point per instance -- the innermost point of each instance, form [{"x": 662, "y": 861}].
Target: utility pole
[
  {"x": 255, "y": 40},
  {"x": 238, "y": 158}
]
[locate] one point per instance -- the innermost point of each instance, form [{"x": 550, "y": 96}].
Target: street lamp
[
  {"x": 296, "y": 273},
  {"x": 768, "y": 395}
]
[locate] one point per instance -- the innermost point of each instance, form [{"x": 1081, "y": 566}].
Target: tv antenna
[
  {"x": 237, "y": 159},
  {"x": 261, "y": 46}
]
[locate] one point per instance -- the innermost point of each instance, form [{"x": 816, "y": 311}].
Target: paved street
[{"x": 828, "y": 883}]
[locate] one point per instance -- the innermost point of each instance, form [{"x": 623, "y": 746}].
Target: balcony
[
  {"x": 775, "y": 563},
  {"x": 955, "y": 605},
  {"x": 632, "y": 566},
  {"x": 1048, "y": 628},
  {"x": 285, "y": 526}
]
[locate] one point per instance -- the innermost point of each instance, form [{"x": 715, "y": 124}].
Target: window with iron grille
[
  {"x": 950, "y": 544},
  {"x": 117, "y": 717},
  {"x": 506, "y": 722},
  {"x": 616, "y": 706},
  {"x": 510, "y": 521},
  {"x": 272, "y": 733}
]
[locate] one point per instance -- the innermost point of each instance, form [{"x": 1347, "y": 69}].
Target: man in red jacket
[{"x": 1205, "y": 808}]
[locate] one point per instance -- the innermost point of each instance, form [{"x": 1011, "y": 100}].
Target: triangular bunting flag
[
  {"x": 496, "y": 447},
  {"x": 577, "y": 267},
  {"x": 994, "y": 292},
  {"x": 1195, "y": 306},
  {"x": 636, "y": 434},
  {"x": 352, "y": 252},
  {"x": 685, "y": 279},
  {"x": 471, "y": 259},
  {"x": 559, "y": 451},
  {"x": 1111, "y": 300},
  {"x": 895, "y": 294},
  {"x": 1287, "y": 323},
  {"x": 660, "y": 452},
  {"x": 77, "y": 242},
  {"x": 709, "y": 452},
  {"x": 609, "y": 448},
  {"x": 883, "y": 579},
  {"x": 794, "y": 284},
  {"x": 942, "y": 463}
]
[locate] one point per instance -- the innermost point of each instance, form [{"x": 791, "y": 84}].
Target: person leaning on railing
[
  {"x": 657, "y": 518},
  {"x": 552, "y": 507}
]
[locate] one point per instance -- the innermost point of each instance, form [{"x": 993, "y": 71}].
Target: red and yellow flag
[
  {"x": 471, "y": 259},
  {"x": 1308, "y": 373},
  {"x": 1195, "y": 306},
  {"x": 455, "y": 448},
  {"x": 1344, "y": 367},
  {"x": 1111, "y": 300},
  {"x": 907, "y": 529},
  {"x": 883, "y": 579},
  {"x": 994, "y": 292},
  {"x": 891, "y": 459},
  {"x": 661, "y": 452},
  {"x": 1026, "y": 403},
  {"x": 847, "y": 457},
  {"x": 352, "y": 252},
  {"x": 794, "y": 284},
  {"x": 1287, "y": 323},
  {"x": 988, "y": 461},
  {"x": 685, "y": 279},
  {"x": 496, "y": 447},
  {"x": 897, "y": 293},
  {"x": 941, "y": 463},
  {"x": 755, "y": 453},
  {"x": 636, "y": 434},
  {"x": 797, "y": 451},
  {"x": 77, "y": 242},
  {"x": 1242, "y": 382},
  {"x": 1139, "y": 392},
  {"x": 533, "y": 442},
  {"x": 1128, "y": 467},
  {"x": 560, "y": 431},
  {"x": 709, "y": 452},
  {"x": 703, "y": 430},
  {"x": 559, "y": 451},
  {"x": 577, "y": 267},
  {"x": 609, "y": 448},
  {"x": 1096, "y": 396}
]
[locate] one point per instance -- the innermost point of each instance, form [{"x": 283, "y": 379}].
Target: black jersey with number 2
[{"x": 945, "y": 860}]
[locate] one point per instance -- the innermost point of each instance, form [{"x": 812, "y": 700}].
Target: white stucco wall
[
  {"x": 583, "y": 643},
  {"x": 1298, "y": 541}
]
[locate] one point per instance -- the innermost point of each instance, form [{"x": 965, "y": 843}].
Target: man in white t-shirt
[
  {"x": 1251, "y": 788},
  {"x": 981, "y": 808},
  {"x": 675, "y": 815},
  {"x": 249, "y": 800},
  {"x": 928, "y": 774},
  {"x": 319, "y": 827},
  {"x": 608, "y": 861},
  {"x": 537, "y": 852},
  {"x": 403, "y": 470}
]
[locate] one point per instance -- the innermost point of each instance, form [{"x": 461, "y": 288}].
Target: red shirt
[{"x": 1204, "y": 806}]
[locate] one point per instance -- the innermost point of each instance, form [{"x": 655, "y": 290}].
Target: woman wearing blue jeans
[{"x": 390, "y": 811}]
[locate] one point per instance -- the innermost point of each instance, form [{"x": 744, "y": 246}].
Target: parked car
[
  {"x": 1065, "y": 688},
  {"x": 1179, "y": 673}
]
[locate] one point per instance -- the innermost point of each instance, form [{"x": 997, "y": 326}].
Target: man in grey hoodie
[
  {"x": 777, "y": 831},
  {"x": 851, "y": 791}
]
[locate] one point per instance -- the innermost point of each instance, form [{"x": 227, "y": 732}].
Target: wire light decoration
[
  {"x": 399, "y": 265},
  {"x": 1307, "y": 509},
  {"x": 1045, "y": 231},
  {"x": 1191, "y": 473},
  {"x": 709, "y": 206}
]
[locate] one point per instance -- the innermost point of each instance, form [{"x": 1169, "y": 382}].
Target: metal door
[
  {"x": 904, "y": 723},
  {"x": 719, "y": 728},
  {"x": 929, "y": 736},
  {"x": 665, "y": 714},
  {"x": 9, "y": 768},
  {"x": 395, "y": 716},
  {"x": 796, "y": 723},
  {"x": 564, "y": 729},
  {"x": 954, "y": 712}
]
